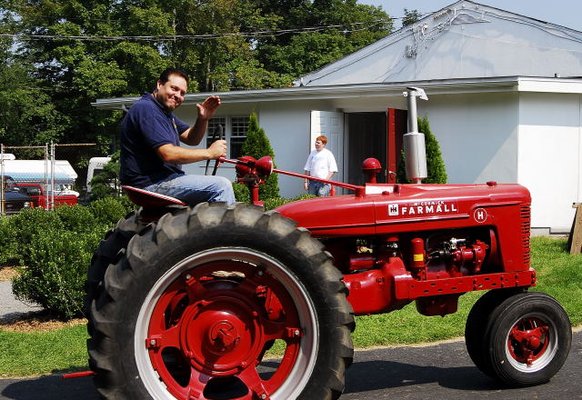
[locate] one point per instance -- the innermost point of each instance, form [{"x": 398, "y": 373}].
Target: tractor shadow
[
  {"x": 384, "y": 375},
  {"x": 446, "y": 364},
  {"x": 50, "y": 387}
]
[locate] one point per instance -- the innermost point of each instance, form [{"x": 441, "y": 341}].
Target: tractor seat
[{"x": 147, "y": 199}]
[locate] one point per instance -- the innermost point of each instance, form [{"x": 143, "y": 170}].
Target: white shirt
[{"x": 320, "y": 163}]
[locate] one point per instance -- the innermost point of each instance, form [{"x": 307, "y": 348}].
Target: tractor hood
[{"x": 385, "y": 208}]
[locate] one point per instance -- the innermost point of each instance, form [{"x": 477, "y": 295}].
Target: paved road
[{"x": 441, "y": 371}]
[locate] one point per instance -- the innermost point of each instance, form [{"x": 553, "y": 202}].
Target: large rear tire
[
  {"x": 115, "y": 241},
  {"x": 191, "y": 307}
]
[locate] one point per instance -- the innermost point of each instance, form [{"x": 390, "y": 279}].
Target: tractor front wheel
[
  {"x": 476, "y": 325},
  {"x": 527, "y": 339}
]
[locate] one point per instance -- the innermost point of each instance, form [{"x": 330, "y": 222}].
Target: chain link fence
[{"x": 39, "y": 176}]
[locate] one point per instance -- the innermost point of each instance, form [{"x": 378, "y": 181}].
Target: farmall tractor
[{"x": 189, "y": 303}]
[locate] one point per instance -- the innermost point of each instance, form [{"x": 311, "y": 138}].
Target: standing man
[
  {"x": 320, "y": 164},
  {"x": 151, "y": 156}
]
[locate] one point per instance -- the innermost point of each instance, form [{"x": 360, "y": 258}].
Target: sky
[{"x": 562, "y": 12}]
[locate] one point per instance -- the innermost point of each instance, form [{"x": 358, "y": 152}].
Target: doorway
[{"x": 366, "y": 137}]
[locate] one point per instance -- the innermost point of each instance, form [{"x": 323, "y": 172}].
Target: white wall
[
  {"x": 549, "y": 155},
  {"x": 286, "y": 124},
  {"x": 532, "y": 139},
  {"x": 477, "y": 134},
  {"x": 288, "y": 127}
]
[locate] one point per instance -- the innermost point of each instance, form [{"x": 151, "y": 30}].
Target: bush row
[{"x": 54, "y": 250}]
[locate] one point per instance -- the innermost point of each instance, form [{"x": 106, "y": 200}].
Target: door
[{"x": 330, "y": 124}]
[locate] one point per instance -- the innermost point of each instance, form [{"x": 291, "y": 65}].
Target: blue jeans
[
  {"x": 318, "y": 188},
  {"x": 194, "y": 189}
]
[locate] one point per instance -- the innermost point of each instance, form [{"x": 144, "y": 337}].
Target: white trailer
[
  {"x": 96, "y": 165},
  {"x": 40, "y": 171}
]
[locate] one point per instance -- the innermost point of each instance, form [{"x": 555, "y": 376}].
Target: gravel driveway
[{"x": 10, "y": 307}]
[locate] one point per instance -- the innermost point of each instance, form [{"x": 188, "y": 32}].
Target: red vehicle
[
  {"x": 42, "y": 198},
  {"x": 194, "y": 298}
]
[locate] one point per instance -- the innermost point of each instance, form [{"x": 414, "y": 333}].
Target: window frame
[{"x": 233, "y": 125}]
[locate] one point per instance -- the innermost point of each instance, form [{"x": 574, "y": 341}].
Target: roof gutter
[{"x": 393, "y": 89}]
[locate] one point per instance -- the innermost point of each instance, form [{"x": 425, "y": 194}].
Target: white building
[{"x": 504, "y": 102}]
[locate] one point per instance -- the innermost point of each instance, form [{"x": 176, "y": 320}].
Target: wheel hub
[
  {"x": 220, "y": 337},
  {"x": 530, "y": 342},
  {"x": 223, "y": 337}
]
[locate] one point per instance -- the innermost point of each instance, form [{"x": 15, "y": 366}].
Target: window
[
  {"x": 234, "y": 132},
  {"x": 239, "y": 127}
]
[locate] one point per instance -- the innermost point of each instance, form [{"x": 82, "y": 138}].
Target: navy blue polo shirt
[{"x": 144, "y": 128}]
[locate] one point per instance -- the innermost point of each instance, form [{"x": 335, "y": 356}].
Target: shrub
[
  {"x": 28, "y": 223},
  {"x": 56, "y": 271},
  {"x": 16, "y": 232},
  {"x": 435, "y": 166},
  {"x": 76, "y": 218},
  {"x": 109, "y": 210},
  {"x": 241, "y": 192},
  {"x": 257, "y": 145},
  {"x": 106, "y": 183},
  {"x": 9, "y": 251},
  {"x": 55, "y": 250}
]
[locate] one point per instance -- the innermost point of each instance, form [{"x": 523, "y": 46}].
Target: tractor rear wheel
[
  {"x": 196, "y": 302},
  {"x": 115, "y": 240}
]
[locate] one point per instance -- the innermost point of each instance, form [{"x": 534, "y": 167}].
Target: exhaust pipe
[{"x": 414, "y": 144}]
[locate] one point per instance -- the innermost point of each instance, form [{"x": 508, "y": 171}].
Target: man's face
[
  {"x": 319, "y": 145},
  {"x": 171, "y": 94}
]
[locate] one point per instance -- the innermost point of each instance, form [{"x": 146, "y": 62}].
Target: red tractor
[{"x": 186, "y": 303}]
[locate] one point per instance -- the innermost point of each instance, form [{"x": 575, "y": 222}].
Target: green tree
[
  {"x": 76, "y": 51},
  {"x": 322, "y": 32},
  {"x": 222, "y": 56},
  {"x": 76, "y": 63},
  {"x": 27, "y": 115},
  {"x": 435, "y": 165},
  {"x": 257, "y": 145},
  {"x": 410, "y": 17}
]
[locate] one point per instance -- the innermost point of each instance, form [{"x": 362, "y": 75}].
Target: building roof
[
  {"x": 465, "y": 47},
  {"x": 463, "y": 40}
]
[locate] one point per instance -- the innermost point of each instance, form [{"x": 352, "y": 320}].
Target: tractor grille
[{"x": 525, "y": 233}]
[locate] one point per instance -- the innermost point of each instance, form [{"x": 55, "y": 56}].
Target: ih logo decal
[
  {"x": 393, "y": 210},
  {"x": 422, "y": 208},
  {"x": 480, "y": 215}
]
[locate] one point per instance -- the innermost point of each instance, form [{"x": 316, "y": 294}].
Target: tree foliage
[
  {"x": 66, "y": 54},
  {"x": 410, "y": 17},
  {"x": 257, "y": 145},
  {"x": 435, "y": 165}
]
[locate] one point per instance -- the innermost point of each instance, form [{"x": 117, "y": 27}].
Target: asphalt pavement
[{"x": 438, "y": 371}]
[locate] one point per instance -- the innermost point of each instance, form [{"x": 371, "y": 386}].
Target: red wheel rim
[
  {"x": 529, "y": 340},
  {"x": 211, "y": 325}
]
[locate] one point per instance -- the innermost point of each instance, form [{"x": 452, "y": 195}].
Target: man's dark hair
[{"x": 165, "y": 75}]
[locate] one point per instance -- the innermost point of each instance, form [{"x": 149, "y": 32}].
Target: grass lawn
[{"x": 559, "y": 274}]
